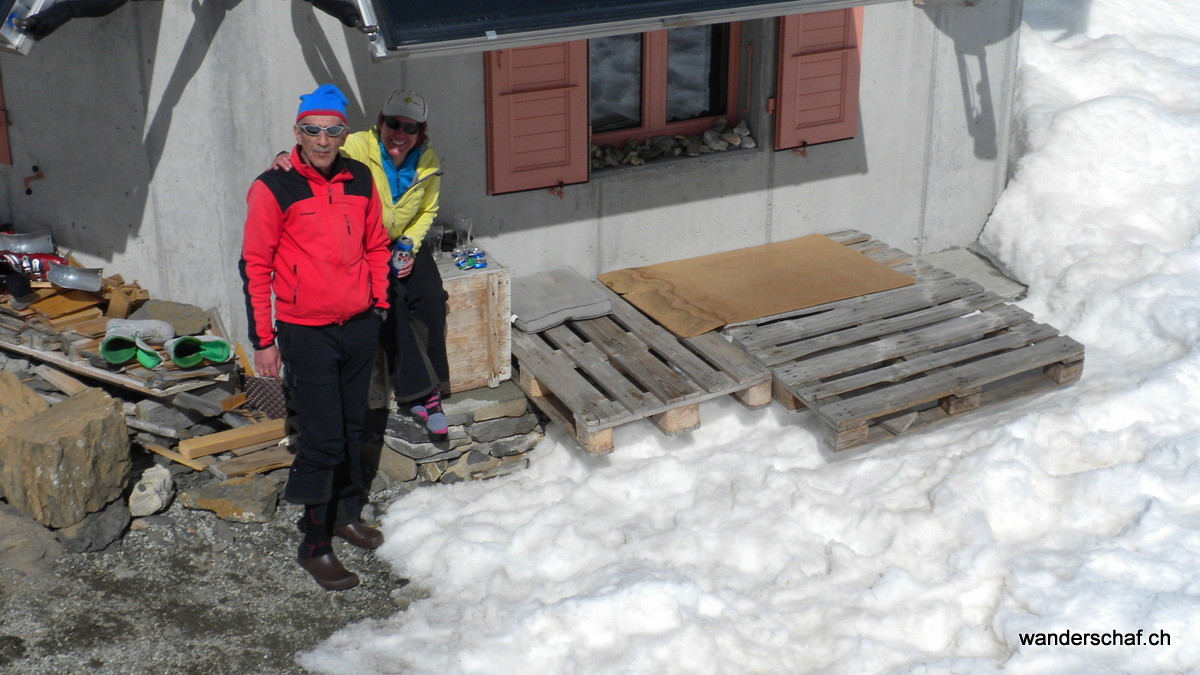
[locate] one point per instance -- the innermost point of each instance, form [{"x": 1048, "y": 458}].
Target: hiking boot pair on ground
[{"x": 327, "y": 570}]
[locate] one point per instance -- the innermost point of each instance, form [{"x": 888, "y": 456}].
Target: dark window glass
[{"x": 615, "y": 82}]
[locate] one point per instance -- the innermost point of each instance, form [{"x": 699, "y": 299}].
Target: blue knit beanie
[{"x": 325, "y": 100}]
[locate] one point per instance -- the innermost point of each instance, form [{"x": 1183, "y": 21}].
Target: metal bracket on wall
[
  {"x": 37, "y": 175},
  {"x": 802, "y": 150},
  {"x": 558, "y": 190}
]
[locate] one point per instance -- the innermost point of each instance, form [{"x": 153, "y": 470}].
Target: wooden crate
[
  {"x": 478, "y": 332},
  {"x": 596, "y": 374},
  {"x": 875, "y": 366}
]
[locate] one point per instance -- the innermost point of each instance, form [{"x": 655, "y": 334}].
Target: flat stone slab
[
  {"x": 486, "y": 403},
  {"x": 248, "y": 499}
]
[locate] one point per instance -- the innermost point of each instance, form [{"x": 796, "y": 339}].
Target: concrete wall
[{"x": 150, "y": 124}]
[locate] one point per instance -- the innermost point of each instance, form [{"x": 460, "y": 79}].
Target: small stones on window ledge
[{"x": 719, "y": 138}]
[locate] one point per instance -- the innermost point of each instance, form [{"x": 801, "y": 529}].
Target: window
[
  {"x": 666, "y": 82},
  {"x": 546, "y": 103}
]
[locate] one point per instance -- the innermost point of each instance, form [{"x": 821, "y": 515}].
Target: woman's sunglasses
[
  {"x": 332, "y": 131},
  {"x": 395, "y": 124}
]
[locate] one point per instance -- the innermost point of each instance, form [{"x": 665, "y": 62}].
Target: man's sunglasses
[
  {"x": 332, "y": 131},
  {"x": 395, "y": 124}
]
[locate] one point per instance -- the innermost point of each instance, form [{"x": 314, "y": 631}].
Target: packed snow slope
[{"x": 745, "y": 547}]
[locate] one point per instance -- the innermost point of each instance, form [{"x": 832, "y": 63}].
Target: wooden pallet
[
  {"x": 876, "y": 366},
  {"x": 596, "y": 374}
]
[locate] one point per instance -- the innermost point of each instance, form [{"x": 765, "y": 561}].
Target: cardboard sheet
[{"x": 693, "y": 296}]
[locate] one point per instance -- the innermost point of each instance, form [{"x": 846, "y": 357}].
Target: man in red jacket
[{"x": 314, "y": 243}]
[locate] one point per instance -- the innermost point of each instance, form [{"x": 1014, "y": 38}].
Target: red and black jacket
[{"x": 316, "y": 244}]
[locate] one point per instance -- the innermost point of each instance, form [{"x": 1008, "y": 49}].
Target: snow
[{"x": 746, "y": 547}]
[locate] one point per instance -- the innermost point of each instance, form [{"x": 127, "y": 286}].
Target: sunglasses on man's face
[
  {"x": 332, "y": 131},
  {"x": 395, "y": 124}
]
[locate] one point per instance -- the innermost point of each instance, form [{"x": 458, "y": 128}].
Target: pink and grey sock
[{"x": 429, "y": 411}]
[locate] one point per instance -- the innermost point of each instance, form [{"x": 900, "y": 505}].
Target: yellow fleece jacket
[{"x": 414, "y": 212}]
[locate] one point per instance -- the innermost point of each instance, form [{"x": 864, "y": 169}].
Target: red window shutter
[
  {"x": 537, "y": 116},
  {"x": 818, "y": 74},
  {"x": 5, "y": 150}
]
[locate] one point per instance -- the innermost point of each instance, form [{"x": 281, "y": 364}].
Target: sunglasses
[
  {"x": 332, "y": 131},
  {"x": 395, "y": 124}
]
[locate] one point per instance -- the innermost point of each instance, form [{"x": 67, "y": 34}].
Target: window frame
[{"x": 654, "y": 93}]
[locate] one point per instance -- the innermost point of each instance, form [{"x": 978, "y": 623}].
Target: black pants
[
  {"x": 328, "y": 372},
  {"x": 414, "y": 336}
]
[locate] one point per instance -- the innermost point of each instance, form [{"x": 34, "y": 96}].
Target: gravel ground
[{"x": 189, "y": 594}]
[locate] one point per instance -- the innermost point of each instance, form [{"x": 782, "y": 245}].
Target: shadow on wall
[
  {"x": 973, "y": 30},
  {"x": 1051, "y": 16}
]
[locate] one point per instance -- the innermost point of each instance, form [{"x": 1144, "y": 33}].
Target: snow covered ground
[{"x": 747, "y": 548}]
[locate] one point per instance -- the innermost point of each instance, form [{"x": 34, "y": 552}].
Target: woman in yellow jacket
[{"x": 408, "y": 179}]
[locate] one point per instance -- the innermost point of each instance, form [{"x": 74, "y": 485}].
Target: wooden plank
[
  {"x": 894, "y": 346},
  {"x": 860, "y": 310},
  {"x": 632, "y": 357},
  {"x": 1018, "y": 336},
  {"x": 175, "y": 456},
  {"x": 133, "y": 384},
  {"x": 951, "y": 381},
  {"x": 66, "y": 321},
  {"x": 558, "y": 374},
  {"x": 233, "y": 438},
  {"x": 246, "y": 363},
  {"x": 232, "y": 402},
  {"x": 592, "y": 440},
  {"x": 256, "y": 462},
  {"x": 593, "y": 362},
  {"x": 666, "y": 344},
  {"x": 256, "y": 447},
  {"x": 874, "y": 327},
  {"x": 92, "y": 328},
  {"x": 65, "y": 302},
  {"x": 64, "y": 382},
  {"x": 737, "y": 364}
]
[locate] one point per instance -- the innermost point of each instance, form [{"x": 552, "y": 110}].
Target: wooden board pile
[{"x": 191, "y": 415}]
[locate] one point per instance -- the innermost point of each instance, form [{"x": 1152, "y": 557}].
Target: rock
[
  {"x": 172, "y": 417},
  {"x": 98, "y": 530},
  {"x": 502, "y": 428},
  {"x": 428, "y": 452},
  {"x": 513, "y": 445},
  {"x": 222, "y": 535},
  {"x": 430, "y": 472},
  {"x": 152, "y": 493},
  {"x": 397, "y": 466},
  {"x": 485, "y": 403},
  {"x": 402, "y": 425},
  {"x": 247, "y": 499},
  {"x": 66, "y": 462},
  {"x": 186, "y": 319},
  {"x": 159, "y": 521},
  {"x": 742, "y": 129},
  {"x": 748, "y": 142},
  {"x": 17, "y": 402},
  {"x": 468, "y": 465},
  {"x": 16, "y": 365},
  {"x": 692, "y": 146},
  {"x": 26, "y": 546},
  {"x": 713, "y": 140},
  {"x": 611, "y": 157},
  {"x": 509, "y": 465},
  {"x": 720, "y": 124},
  {"x": 137, "y": 525},
  {"x": 731, "y": 138}
]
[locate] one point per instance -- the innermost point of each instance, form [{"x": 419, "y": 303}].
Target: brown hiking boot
[
  {"x": 362, "y": 536},
  {"x": 328, "y": 571}
]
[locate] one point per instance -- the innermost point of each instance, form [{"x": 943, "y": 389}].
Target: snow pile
[{"x": 745, "y": 547}]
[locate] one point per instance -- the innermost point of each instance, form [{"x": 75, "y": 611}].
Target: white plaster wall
[{"x": 150, "y": 124}]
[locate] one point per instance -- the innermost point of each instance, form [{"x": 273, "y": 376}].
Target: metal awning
[{"x": 408, "y": 28}]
